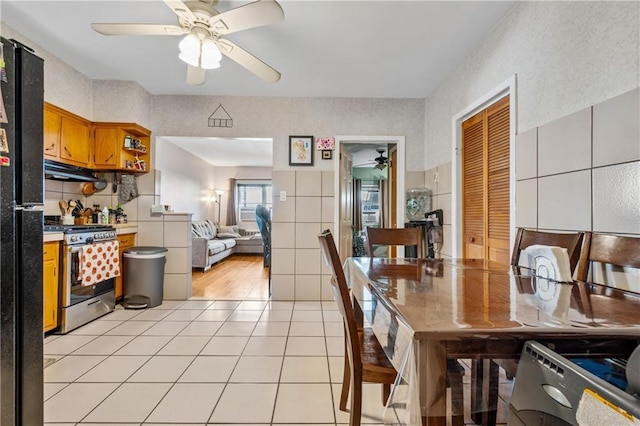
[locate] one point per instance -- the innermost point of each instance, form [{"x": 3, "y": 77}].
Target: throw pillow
[
  {"x": 227, "y": 235},
  {"x": 228, "y": 229}
]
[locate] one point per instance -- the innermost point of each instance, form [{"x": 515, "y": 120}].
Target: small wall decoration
[
  {"x": 301, "y": 150},
  {"x": 4, "y": 143},
  {"x": 326, "y": 154},
  {"x": 220, "y": 118},
  {"x": 324, "y": 144}
]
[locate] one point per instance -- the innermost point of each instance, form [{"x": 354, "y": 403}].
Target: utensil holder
[{"x": 67, "y": 219}]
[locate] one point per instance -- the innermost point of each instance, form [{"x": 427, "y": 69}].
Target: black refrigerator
[{"x": 21, "y": 216}]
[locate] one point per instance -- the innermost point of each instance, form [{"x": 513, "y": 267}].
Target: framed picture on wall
[{"x": 301, "y": 150}]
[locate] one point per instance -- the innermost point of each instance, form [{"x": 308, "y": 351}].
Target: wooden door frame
[
  {"x": 399, "y": 141},
  {"x": 507, "y": 87}
]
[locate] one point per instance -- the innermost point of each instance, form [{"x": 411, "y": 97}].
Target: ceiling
[{"x": 355, "y": 48}]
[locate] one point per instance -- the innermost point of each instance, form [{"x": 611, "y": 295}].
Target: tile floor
[{"x": 204, "y": 362}]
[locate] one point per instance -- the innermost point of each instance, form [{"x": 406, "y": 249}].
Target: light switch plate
[{"x": 283, "y": 195}]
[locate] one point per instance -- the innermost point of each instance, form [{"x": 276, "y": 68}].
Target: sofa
[{"x": 211, "y": 244}]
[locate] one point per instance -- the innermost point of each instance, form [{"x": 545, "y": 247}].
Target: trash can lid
[{"x": 145, "y": 250}]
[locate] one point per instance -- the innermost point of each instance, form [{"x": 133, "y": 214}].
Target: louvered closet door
[
  {"x": 498, "y": 181},
  {"x": 473, "y": 205},
  {"x": 485, "y": 169}
]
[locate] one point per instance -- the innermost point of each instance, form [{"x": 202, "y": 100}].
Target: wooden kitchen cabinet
[
  {"x": 125, "y": 241},
  {"x": 121, "y": 147},
  {"x": 67, "y": 137},
  {"x": 52, "y": 126},
  {"x": 50, "y": 271}
]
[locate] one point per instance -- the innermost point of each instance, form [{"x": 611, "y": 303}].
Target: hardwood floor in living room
[{"x": 238, "y": 277}]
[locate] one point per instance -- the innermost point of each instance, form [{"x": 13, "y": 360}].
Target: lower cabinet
[
  {"x": 125, "y": 241},
  {"x": 50, "y": 271}
]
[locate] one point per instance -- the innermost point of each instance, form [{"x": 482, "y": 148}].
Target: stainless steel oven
[{"x": 81, "y": 303}]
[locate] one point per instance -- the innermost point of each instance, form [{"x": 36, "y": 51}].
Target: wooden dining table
[{"x": 424, "y": 312}]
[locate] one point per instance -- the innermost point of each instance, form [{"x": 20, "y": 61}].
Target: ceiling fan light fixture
[
  {"x": 380, "y": 166},
  {"x": 190, "y": 45},
  {"x": 189, "y": 59},
  {"x": 211, "y": 56}
]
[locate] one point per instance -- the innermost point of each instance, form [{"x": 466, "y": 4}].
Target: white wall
[
  {"x": 278, "y": 118},
  {"x": 567, "y": 56},
  {"x": 186, "y": 181},
  {"x": 64, "y": 86}
]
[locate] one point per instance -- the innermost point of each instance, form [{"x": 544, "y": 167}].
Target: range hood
[{"x": 67, "y": 173}]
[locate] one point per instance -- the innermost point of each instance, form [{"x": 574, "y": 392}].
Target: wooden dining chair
[
  {"x": 609, "y": 249},
  {"x": 413, "y": 237},
  {"x": 527, "y": 237},
  {"x": 524, "y": 238},
  {"x": 394, "y": 237},
  {"x": 365, "y": 360}
]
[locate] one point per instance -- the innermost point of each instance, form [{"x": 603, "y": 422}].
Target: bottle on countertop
[{"x": 105, "y": 216}]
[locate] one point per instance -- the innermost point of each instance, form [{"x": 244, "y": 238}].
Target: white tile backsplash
[
  {"x": 144, "y": 208},
  {"x": 151, "y": 234},
  {"x": 176, "y": 234},
  {"x": 282, "y": 287},
  {"x": 283, "y": 211},
  {"x": 307, "y": 287},
  {"x": 527, "y": 203},
  {"x": 413, "y": 179},
  {"x": 444, "y": 179},
  {"x": 616, "y": 129},
  {"x": 527, "y": 154},
  {"x": 328, "y": 205},
  {"x": 306, "y": 235},
  {"x": 308, "y": 261},
  {"x": 616, "y": 198},
  {"x": 308, "y": 183},
  {"x": 564, "y": 145},
  {"x": 283, "y": 261},
  {"x": 283, "y": 180},
  {"x": 177, "y": 286},
  {"x": 328, "y": 184},
  {"x": 178, "y": 261},
  {"x": 308, "y": 209},
  {"x": 283, "y": 235},
  {"x": 564, "y": 201}
]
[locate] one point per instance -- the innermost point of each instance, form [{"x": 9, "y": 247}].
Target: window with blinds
[{"x": 485, "y": 183}]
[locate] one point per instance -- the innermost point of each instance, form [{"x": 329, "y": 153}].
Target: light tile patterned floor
[{"x": 204, "y": 362}]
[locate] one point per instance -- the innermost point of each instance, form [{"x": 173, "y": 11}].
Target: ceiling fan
[
  {"x": 203, "y": 27},
  {"x": 380, "y": 161}
]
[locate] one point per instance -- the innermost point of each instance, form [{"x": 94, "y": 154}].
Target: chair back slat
[
  {"x": 395, "y": 237},
  {"x": 341, "y": 294},
  {"x": 526, "y": 237},
  {"x": 610, "y": 249}
]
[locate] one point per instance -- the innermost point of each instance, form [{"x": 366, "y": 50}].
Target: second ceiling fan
[
  {"x": 380, "y": 162},
  {"x": 203, "y": 27}
]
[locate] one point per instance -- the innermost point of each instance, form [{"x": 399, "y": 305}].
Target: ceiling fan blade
[
  {"x": 247, "y": 60},
  {"x": 181, "y": 9},
  {"x": 137, "y": 29},
  {"x": 195, "y": 75},
  {"x": 256, "y": 14}
]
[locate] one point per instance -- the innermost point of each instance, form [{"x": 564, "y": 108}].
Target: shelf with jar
[{"x": 122, "y": 146}]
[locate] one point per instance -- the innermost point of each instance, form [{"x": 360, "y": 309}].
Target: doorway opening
[
  {"x": 222, "y": 180},
  {"x": 369, "y": 188}
]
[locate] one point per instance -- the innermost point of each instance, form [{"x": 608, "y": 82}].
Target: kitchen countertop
[{"x": 51, "y": 236}]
